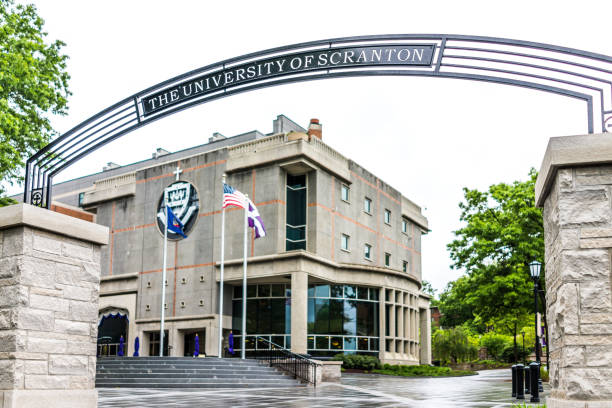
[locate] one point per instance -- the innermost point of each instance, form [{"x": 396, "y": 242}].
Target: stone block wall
[
  {"x": 49, "y": 288},
  {"x": 578, "y": 237}
]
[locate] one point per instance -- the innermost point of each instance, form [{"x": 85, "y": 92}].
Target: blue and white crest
[{"x": 182, "y": 198}]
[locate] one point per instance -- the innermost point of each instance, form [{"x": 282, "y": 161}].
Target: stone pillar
[
  {"x": 49, "y": 288},
  {"x": 299, "y": 311},
  {"x": 575, "y": 189},
  {"x": 425, "y": 340}
]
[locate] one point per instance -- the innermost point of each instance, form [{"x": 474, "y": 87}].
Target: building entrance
[
  {"x": 189, "y": 342},
  {"x": 154, "y": 343},
  {"x": 110, "y": 330}
]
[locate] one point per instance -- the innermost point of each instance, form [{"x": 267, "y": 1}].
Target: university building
[{"x": 338, "y": 271}]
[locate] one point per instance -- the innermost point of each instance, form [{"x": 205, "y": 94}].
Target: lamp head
[{"x": 534, "y": 270}]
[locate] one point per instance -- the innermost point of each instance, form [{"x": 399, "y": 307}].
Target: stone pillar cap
[
  {"x": 36, "y": 217},
  {"x": 571, "y": 151}
]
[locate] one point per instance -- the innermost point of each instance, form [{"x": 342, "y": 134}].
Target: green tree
[
  {"x": 495, "y": 344},
  {"x": 503, "y": 232},
  {"x": 452, "y": 345},
  {"x": 455, "y": 307},
  {"x": 427, "y": 288},
  {"x": 33, "y": 82}
]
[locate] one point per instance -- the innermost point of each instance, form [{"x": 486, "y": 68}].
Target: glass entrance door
[{"x": 154, "y": 343}]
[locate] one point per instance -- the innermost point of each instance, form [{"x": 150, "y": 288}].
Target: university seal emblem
[{"x": 183, "y": 199}]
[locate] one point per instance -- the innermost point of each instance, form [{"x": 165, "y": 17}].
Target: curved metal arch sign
[
  {"x": 564, "y": 71},
  {"x": 291, "y": 64}
]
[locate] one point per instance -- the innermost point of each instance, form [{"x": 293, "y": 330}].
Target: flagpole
[
  {"x": 221, "y": 281},
  {"x": 244, "y": 276},
  {"x": 163, "y": 282}
]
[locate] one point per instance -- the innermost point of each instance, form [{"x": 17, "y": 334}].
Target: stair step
[
  {"x": 198, "y": 385},
  {"x": 184, "y": 375},
  {"x": 186, "y": 372}
]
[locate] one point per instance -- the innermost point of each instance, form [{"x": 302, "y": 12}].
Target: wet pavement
[{"x": 488, "y": 389}]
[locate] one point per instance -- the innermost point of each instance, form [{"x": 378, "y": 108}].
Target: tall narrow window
[
  {"x": 404, "y": 266},
  {"x": 344, "y": 192},
  {"x": 344, "y": 242},
  {"x": 367, "y": 251},
  {"x": 404, "y": 225},
  {"x": 387, "y": 259},
  {"x": 296, "y": 213},
  {"x": 81, "y": 198},
  {"x": 387, "y": 216},
  {"x": 367, "y": 205}
]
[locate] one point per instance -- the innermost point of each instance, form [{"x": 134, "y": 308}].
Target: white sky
[{"x": 427, "y": 137}]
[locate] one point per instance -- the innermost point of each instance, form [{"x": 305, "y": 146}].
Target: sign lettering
[{"x": 331, "y": 58}]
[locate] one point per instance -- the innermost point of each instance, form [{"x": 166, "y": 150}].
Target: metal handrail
[{"x": 276, "y": 356}]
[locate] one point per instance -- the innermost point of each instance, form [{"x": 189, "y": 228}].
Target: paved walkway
[{"x": 488, "y": 389}]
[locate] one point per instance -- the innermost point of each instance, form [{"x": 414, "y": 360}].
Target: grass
[
  {"x": 421, "y": 371},
  {"x": 525, "y": 405}
]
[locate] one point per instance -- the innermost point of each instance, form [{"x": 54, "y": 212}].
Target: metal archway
[{"x": 565, "y": 71}]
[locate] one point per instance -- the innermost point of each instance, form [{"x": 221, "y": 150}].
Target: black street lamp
[
  {"x": 523, "y": 334},
  {"x": 534, "y": 271}
]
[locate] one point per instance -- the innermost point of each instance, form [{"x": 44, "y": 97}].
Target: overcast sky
[{"x": 427, "y": 137}]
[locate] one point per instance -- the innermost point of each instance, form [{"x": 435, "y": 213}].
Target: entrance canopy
[{"x": 564, "y": 71}]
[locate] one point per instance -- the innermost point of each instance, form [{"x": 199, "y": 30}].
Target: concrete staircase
[{"x": 186, "y": 372}]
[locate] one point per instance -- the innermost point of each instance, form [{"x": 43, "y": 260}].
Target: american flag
[{"x": 232, "y": 196}]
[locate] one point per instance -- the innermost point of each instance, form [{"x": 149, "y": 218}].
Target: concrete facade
[
  {"x": 575, "y": 189},
  {"x": 49, "y": 285},
  {"x": 125, "y": 199}
]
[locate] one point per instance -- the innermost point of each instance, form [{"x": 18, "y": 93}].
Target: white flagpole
[
  {"x": 221, "y": 281},
  {"x": 163, "y": 282},
  {"x": 244, "y": 276}
]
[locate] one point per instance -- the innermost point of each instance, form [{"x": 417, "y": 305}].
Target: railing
[
  {"x": 107, "y": 349},
  {"x": 322, "y": 147},
  {"x": 113, "y": 182},
  {"x": 294, "y": 364},
  {"x": 258, "y": 144}
]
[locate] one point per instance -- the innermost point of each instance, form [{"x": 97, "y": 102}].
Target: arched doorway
[{"x": 112, "y": 325}]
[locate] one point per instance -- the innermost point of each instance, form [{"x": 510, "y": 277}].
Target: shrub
[
  {"x": 495, "y": 344},
  {"x": 421, "y": 371},
  {"x": 452, "y": 345},
  {"x": 358, "y": 361},
  {"x": 544, "y": 373}
]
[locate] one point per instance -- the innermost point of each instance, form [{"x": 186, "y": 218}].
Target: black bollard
[
  {"x": 527, "y": 380},
  {"x": 535, "y": 375},
  {"x": 514, "y": 381},
  {"x": 520, "y": 383}
]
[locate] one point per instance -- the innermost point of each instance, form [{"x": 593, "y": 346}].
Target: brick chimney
[{"x": 315, "y": 129}]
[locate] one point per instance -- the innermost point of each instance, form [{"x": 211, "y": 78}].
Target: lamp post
[
  {"x": 523, "y": 334},
  {"x": 534, "y": 271}
]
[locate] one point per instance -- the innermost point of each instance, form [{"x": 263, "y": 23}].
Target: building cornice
[
  {"x": 301, "y": 254},
  {"x": 178, "y": 318}
]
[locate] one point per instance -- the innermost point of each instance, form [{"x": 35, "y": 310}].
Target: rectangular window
[
  {"x": 404, "y": 225},
  {"x": 296, "y": 213},
  {"x": 367, "y": 251},
  {"x": 344, "y": 192},
  {"x": 405, "y": 266},
  {"x": 344, "y": 242},
  {"x": 81, "y": 198},
  {"x": 367, "y": 205},
  {"x": 387, "y": 216},
  {"x": 387, "y": 259}
]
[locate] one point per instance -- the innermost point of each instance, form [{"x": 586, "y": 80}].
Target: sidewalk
[{"x": 488, "y": 389}]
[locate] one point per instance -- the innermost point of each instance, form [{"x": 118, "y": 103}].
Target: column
[
  {"x": 49, "y": 293},
  {"x": 299, "y": 311},
  {"x": 425, "y": 337},
  {"x": 382, "y": 325},
  {"x": 574, "y": 187}
]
